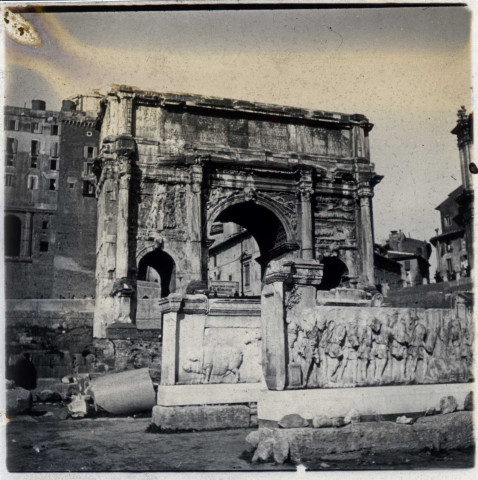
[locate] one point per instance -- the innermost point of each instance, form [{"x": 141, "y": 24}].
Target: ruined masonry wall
[{"x": 58, "y": 335}]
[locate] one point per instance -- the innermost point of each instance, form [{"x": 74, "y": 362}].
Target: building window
[
  {"x": 89, "y": 134},
  {"x": 11, "y": 147},
  {"x": 8, "y": 180},
  {"x": 407, "y": 265},
  {"x": 88, "y": 189},
  {"x": 35, "y": 127},
  {"x": 447, "y": 220},
  {"x": 214, "y": 260},
  {"x": 90, "y": 152},
  {"x": 12, "y": 235},
  {"x": 230, "y": 278},
  {"x": 54, "y": 129},
  {"x": 449, "y": 265},
  {"x": 32, "y": 182},
  {"x": 54, "y": 149},
  {"x": 34, "y": 152},
  {"x": 71, "y": 184},
  {"x": 44, "y": 246},
  {"x": 12, "y": 124},
  {"x": 89, "y": 168},
  {"x": 449, "y": 248},
  {"x": 52, "y": 184},
  {"x": 44, "y": 224},
  {"x": 247, "y": 274},
  {"x": 53, "y": 163}
]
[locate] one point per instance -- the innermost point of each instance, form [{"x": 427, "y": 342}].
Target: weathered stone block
[
  {"x": 263, "y": 452},
  {"x": 280, "y": 449},
  {"x": 253, "y": 438},
  {"x": 201, "y": 417},
  {"x": 442, "y": 432}
]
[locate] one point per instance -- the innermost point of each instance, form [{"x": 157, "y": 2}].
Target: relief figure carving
[{"x": 218, "y": 360}]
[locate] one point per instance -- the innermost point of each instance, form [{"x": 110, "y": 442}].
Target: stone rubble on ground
[
  {"x": 48, "y": 396},
  {"x": 403, "y": 420},
  {"x": 431, "y": 411},
  {"x": 280, "y": 449},
  {"x": 448, "y": 404},
  {"x": 19, "y": 401},
  {"x": 434, "y": 433},
  {"x": 321, "y": 421},
  {"x": 338, "y": 422},
  {"x": 263, "y": 451},
  {"x": 253, "y": 438},
  {"x": 469, "y": 402},
  {"x": 353, "y": 416},
  {"x": 78, "y": 407},
  {"x": 293, "y": 421}
]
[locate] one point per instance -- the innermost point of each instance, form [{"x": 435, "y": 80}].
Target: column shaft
[
  {"x": 195, "y": 222},
  {"x": 27, "y": 236},
  {"x": 367, "y": 239},
  {"x": 122, "y": 250},
  {"x": 307, "y": 242}
]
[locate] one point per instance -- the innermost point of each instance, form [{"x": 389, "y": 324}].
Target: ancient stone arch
[{"x": 171, "y": 164}]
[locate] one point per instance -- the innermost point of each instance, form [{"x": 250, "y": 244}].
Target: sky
[{"x": 407, "y": 69}]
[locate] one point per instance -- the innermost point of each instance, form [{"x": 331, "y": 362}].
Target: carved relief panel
[{"x": 337, "y": 347}]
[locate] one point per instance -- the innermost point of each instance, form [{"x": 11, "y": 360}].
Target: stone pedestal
[
  {"x": 290, "y": 289},
  {"x": 169, "y": 354}
]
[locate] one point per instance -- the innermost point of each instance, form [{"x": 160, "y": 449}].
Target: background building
[
  {"x": 232, "y": 258},
  {"x": 50, "y": 212},
  {"x": 454, "y": 246},
  {"x": 402, "y": 262}
]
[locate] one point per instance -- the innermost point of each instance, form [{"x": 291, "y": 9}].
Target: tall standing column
[
  {"x": 305, "y": 193},
  {"x": 365, "y": 195},
  {"x": 195, "y": 222},
  {"x": 27, "y": 236}
]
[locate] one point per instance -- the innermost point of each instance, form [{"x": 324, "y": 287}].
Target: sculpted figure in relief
[
  {"x": 334, "y": 352},
  {"x": 350, "y": 354},
  {"x": 380, "y": 349},
  {"x": 218, "y": 360},
  {"x": 419, "y": 350},
  {"x": 399, "y": 345},
  {"x": 365, "y": 341}
]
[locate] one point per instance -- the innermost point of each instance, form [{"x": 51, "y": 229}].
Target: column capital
[
  {"x": 196, "y": 176},
  {"x": 365, "y": 190}
]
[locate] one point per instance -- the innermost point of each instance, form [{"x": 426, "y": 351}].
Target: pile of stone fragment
[
  {"x": 84, "y": 395},
  {"x": 295, "y": 437}
]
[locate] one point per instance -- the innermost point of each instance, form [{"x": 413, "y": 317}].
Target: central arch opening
[{"x": 243, "y": 239}]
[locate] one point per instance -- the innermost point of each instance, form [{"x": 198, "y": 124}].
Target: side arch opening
[
  {"x": 13, "y": 235},
  {"x": 158, "y": 267},
  {"x": 334, "y": 273}
]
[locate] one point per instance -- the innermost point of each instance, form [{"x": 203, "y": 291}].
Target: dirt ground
[{"x": 50, "y": 444}]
